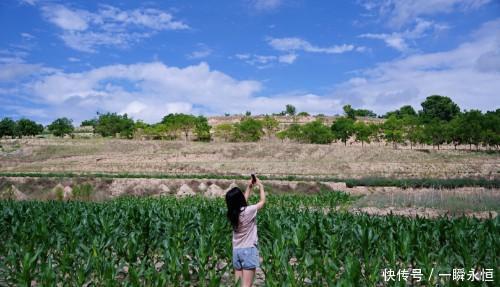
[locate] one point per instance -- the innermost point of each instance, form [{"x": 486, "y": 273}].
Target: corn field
[{"x": 186, "y": 242}]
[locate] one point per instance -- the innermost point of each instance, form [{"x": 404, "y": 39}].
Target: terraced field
[{"x": 265, "y": 158}]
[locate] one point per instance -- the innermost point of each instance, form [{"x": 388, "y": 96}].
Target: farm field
[
  {"x": 186, "y": 242},
  {"x": 149, "y": 213},
  {"x": 265, "y": 158}
]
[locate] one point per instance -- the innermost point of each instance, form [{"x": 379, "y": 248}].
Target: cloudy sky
[{"x": 151, "y": 58}]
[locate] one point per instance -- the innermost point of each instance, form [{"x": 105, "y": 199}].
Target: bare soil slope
[{"x": 271, "y": 158}]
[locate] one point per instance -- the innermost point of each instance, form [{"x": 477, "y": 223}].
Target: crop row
[
  {"x": 350, "y": 182},
  {"x": 185, "y": 242}
]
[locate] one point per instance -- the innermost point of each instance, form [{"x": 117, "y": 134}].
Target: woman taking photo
[{"x": 243, "y": 220}]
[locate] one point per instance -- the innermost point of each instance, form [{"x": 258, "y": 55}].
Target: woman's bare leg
[
  {"x": 238, "y": 276},
  {"x": 248, "y": 276}
]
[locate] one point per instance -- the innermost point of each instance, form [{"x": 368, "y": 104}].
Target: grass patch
[{"x": 82, "y": 191}]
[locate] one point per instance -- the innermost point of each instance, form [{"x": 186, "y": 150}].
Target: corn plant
[{"x": 187, "y": 242}]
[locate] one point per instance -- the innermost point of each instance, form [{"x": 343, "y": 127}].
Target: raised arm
[
  {"x": 262, "y": 195},
  {"x": 248, "y": 190}
]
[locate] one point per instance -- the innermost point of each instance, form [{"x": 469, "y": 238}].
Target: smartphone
[{"x": 254, "y": 179}]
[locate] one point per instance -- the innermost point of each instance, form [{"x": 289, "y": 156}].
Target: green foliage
[
  {"x": 180, "y": 122},
  {"x": 225, "y": 131},
  {"x": 7, "y": 127},
  {"x": 26, "y": 127},
  {"x": 82, "y": 191},
  {"x": 364, "y": 132},
  {"x": 202, "y": 129},
  {"x": 270, "y": 125},
  {"x": 402, "y": 112},
  {"x": 435, "y": 132},
  {"x": 248, "y": 113},
  {"x": 413, "y": 131},
  {"x": 249, "y": 130},
  {"x": 293, "y": 132},
  {"x": 343, "y": 129},
  {"x": 316, "y": 132},
  {"x": 303, "y": 114},
  {"x": 393, "y": 131},
  {"x": 112, "y": 124},
  {"x": 61, "y": 127},
  {"x": 349, "y": 112},
  {"x": 182, "y": 242},
  {"x": 290, "y": 110},
  {"x": 440, "y": 108},
  {"x": 91, "y": 123},
  {"x": 59, "y": 193},
  {"x": 471, "y": 129}
]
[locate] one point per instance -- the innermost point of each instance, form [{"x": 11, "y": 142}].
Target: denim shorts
[{"x": 246, "y": 258}]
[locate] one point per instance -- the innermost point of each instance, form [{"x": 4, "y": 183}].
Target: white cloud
[
  {"x": 398, "y": 13},
  {"x": 145, "y": 90},
  {"x": 288, "y": 58},
  {"x": 66, "y": 19},
  {"x": 266, "y": 61},
  {"x": 398, "y": 40},
  {"x": 202, "y": 52},
  {"x": 29, "y": 2},
  {"x": 297, "y": 44},
  {"x": 15, "y": 71},
  {"x": 266, "y": 5},
  {"x": 178, "y": 107},
  {"x": 149, "y": 91},
  {"x": 27, "y": 36},
  {"x": 469, "y": 74},
  {"x": 73, "y": 59},
  {"x": 109, "y": 26},
  {"x": 134, "y": 108}
]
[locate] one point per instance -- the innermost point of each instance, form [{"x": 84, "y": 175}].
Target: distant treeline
[{"x": 440, "y": 121}]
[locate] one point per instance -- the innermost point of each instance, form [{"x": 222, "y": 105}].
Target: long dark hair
[{"x": 235, "y": 200}]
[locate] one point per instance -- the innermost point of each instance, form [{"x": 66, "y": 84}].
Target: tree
[
  {"x": 343, "y": 129},
  {"x": 412, "y": 130},
  {"x": 7, "y": 127},
  {"x": 402, "y": 112},
  {"x": 439, "y": 108},
  {"x": 182, "y": 122},
  {"x": 303, "y": 114},
  {"x": 393, "y": 132},
  {"x": 27, "y": 127},
  {"x": 270, "y": 125},
  {"x": 91, "y": 122},
  {"x": 248, "y": 113},
  {"x": 471, "y": 128},
  {"x": 112, "y": 124},
  {"x": 364, "y": 113},
  {"x": 249, "y": 129},
  {"x": 61, "y": 127},
  {"x": 491, "y": 128},
  {"x": 435, "y": 132},
  {"x": 281, "y": 135},
  {"x": 316, "y": 132},
  {"x": 455, "y": 133},
  {"x": 293, "y": 132},
  {"x": 290, "y": 110},
  {"x": 202, "y": 129},
  {"x": 225, "y": 131},
  {"x": 363, "y": 132},
  {"x": 349, "y": 112}
]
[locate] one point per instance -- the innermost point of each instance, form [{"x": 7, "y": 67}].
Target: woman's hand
[{"x": 258, "y": 182}]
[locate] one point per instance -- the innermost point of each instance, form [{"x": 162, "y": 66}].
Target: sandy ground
[{"x": 270, "y": 158}]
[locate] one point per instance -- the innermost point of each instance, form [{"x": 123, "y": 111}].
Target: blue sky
[{"x": 151, "y": 58}]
